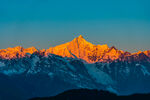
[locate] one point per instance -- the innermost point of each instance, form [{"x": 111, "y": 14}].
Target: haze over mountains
[{"x": 73, "y": 65}]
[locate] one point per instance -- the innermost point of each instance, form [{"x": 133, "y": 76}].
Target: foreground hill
[{"x": 85, "y": 94}]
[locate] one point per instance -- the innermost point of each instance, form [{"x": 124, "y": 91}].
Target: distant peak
[
  {"x": 80, "y": 36},
  {"x": 139, "y": 52},
  {"x": 105, "y": 46},
  {"x": 15, "y": 48},
  {"x": 113, "y": 47},
  {"x": 80, "y": 39}
]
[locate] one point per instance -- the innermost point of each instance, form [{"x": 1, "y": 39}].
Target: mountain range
[
  {"x": 77, "y": 64},
  {"x": 79, "y": 48}
]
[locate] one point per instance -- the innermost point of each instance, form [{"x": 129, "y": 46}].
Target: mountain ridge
[{"x": 78, "y": 47}]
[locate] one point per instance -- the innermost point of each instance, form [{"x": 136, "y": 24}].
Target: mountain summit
[
  {"x": 80, "y": 37},
  {"x": 85, "y": 50},
  {"x": 91, "y": 53}
]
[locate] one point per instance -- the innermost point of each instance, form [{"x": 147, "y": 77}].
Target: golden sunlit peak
[
  {"x": 105, "y": 46},
  {"x": 33, "y": 48},
  {"x": 139, "y": 52},
  {"x": 79, "y": 39},
  {"x": 18, "y": 47},
  {"x": 15, "y": 48},
  {"x": 80, "y": 36},
  {"x": 113, "y": 47}
]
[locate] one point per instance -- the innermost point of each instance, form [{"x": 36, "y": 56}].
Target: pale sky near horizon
[{"x": 45, "y": 23}]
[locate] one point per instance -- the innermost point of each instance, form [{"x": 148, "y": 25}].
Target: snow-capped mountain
[
  {"x": 79, "y": 48},
  {"x": 76, "y": 64}
]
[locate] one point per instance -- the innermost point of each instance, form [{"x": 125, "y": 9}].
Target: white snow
[
  {"x": 35, "y": 60},
  {"x": 98, "y": 75},
  {"x": 9, "y": 72},
  {"x": 127, "y": 70},
  {"x": 68, "y": 64},
  {"x": 144, "y": 70},
  {"x": 108, "y": 67},
  {"x": 13, "y": 71},
  {"x": 2, "y": 64},
  {"x": 32, "y": 70},
  {"x": 137, "y": 64}
]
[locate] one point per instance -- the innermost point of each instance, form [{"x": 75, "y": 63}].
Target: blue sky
[{"x": 45, "y": 23}]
